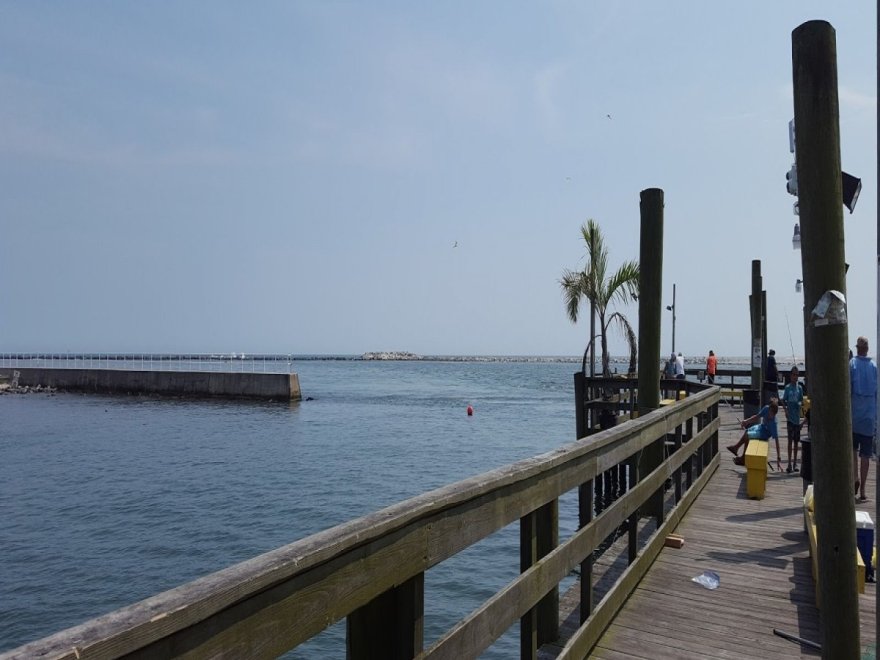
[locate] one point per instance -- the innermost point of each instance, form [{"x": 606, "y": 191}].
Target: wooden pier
[{"x": 761, "y": 552}]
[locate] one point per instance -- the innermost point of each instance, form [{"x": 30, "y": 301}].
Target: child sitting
[{"x": 759, "y": 431}]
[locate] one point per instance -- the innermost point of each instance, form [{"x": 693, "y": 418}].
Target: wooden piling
[
  {"x": 650, "y": 312},
  {"x": 817, "y": 135},
  {"x": 757, "y": 340}
]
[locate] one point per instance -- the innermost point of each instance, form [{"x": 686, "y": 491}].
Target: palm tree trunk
[
  {"x": 592, "y": 339},
  {"x": 606, "y": 359}
]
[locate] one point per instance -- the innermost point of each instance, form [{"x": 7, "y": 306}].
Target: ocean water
[{"x": 106, "y": 500}]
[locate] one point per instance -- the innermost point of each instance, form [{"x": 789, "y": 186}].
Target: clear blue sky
[{"x": 294, "y": 176}]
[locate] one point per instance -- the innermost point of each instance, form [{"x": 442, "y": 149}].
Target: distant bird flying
[
  {"x": 456, "y": 244},
  {"x": 609, "y": 116}
]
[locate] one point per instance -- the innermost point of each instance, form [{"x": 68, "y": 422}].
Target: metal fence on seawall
[{"x": 226, "y": 363}]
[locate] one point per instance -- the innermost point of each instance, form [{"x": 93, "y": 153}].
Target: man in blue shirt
[{"x": 863, "y": 390}]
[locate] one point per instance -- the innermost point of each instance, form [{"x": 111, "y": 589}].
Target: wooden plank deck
[{"x": 760, "y": 551}]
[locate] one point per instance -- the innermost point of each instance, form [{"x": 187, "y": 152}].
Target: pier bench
[
  {"x": 682, "y": 394},
  {"x": 810, "y": 521},
  {"x": 756, "y": 468}
]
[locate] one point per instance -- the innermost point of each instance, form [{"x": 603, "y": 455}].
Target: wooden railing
[
  {"x": 371, "y": 571},
  {"x": 724, "y": 377}
]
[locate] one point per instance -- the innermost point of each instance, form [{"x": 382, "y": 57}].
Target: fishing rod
[{"x": 790, "y": 341}]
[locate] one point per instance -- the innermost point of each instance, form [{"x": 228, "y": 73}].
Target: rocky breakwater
[
  {"x": 390, "y": 355},
  {"x": 15, "y": 388}
]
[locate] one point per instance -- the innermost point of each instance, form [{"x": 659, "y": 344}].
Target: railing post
[
  {"x": 585, "y": 516},
  {"x": 700, "y": 453},
  {"x": 706, "y": 448},
  {"x": 528, "y": 555},
  {"x": 548, "y": 538},
  {"x": 710, "y": 417},
  {"x": 689, "y": 470},
  {"x": 389, "y": 626},
  {"x": 539, "y": 535},
  {"x": 676, "y": 479},
  {"x": 632, "y": 523},
  {"x": 580, "y": 421}
]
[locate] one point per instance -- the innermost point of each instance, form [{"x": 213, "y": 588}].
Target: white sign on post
[{"x": 756, "y": 353}]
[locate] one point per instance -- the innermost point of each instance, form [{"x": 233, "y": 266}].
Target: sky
[{"x": 340, "y": 177}]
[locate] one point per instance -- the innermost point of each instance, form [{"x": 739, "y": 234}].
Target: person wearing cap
[{"x": 863, "y": 393}]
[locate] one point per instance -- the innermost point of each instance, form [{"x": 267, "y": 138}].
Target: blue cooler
[{"x": 865, "y": 540}]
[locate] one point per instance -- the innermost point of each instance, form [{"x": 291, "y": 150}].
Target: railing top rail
[{"x": 230, "y": 363}]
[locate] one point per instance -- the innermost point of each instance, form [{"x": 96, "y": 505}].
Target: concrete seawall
[{"x": 280, "y": 387}]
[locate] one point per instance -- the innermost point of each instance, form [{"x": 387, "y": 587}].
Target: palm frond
[
  {"x": 631, "y": 339},
  {"x": 572, "y": 283},
  {"x": 623, "y": 285},
  {"x": 597, "y": 256}
]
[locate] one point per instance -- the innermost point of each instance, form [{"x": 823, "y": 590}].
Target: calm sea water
[{"x": 108, "y": 500}]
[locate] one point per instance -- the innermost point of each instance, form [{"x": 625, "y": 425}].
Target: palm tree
[{"x": 595, "y": 286}]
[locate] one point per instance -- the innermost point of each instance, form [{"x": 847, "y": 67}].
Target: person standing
[
  {"x": 793, "y": 398},
  {"x": 863, "y": 392},
  {"x": 669, "y": 369},
  {"x": 772, "y": 371},
  {"x": 771, "y": 377},
  {"x": 679, "y": 367},
  {"x": 711, "y": 367}
]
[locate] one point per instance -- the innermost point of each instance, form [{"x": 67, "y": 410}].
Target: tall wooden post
[
  {"x": 752, "y": 403},
  {"x": 757, "y": 339},
  {"x": 765, "y": 392},
  {"x": 650, "y": 313},
  {"x": 877, "y": 342},
  {"x": 764, "y": 343},
  {"x": 585, "y": 507},
  {"x": 817, "y": 135}
]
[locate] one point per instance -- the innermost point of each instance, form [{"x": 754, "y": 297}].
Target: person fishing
[
  {"x": 711, "y": 367},
  {"x": 761, "y": 426}
]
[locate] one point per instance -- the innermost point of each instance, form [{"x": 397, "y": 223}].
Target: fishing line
[{"x": 793, "y": 358}]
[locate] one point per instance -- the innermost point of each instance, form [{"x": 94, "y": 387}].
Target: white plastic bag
[{"x": 708, "y": 579}]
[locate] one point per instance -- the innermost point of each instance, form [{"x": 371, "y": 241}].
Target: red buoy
[{"x": 470, "y": 411}]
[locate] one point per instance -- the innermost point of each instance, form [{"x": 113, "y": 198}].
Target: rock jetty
[
  {"x": 9, "y": 388},
  {"x": 390, "y": 355}
]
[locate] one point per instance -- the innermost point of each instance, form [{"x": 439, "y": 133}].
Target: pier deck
[{"x": 760, "y": 551}]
